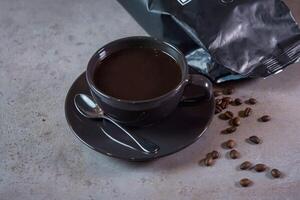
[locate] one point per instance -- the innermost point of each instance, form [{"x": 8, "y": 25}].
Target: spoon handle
[{"x": 144, "y": 145}]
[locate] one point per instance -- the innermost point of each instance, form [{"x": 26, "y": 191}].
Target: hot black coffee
[{"x": 137, "y": 74}]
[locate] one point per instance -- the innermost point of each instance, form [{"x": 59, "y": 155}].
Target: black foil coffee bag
[{"x": 224, "y": 39}]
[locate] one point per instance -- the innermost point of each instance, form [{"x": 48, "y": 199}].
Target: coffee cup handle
[{"x": 205, "y": 90}]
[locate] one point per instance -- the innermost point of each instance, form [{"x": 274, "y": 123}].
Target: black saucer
[{"x": 176, "y": 132}]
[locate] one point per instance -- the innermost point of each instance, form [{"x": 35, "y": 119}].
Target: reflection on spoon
[{"x": 88, "y": 108}]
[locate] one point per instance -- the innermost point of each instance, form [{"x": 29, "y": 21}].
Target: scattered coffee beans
[
  {"x": 215, "y": 154},
  {"x": 254, "y": 139},
  {"x": 235, "y": 121},
  {"x": 260, "y": 167},
  {"x": 265, "y": 118},
  {"x": 234, "y": 154},
  {"x": 230, "y": 144},
  {"x": 229, "y": 130},
  {"x": 245, "y": 165},
  {"x": 228, "y": 91},
  {"x": 217, "y": 93},
  {"x": 245, "y": 182},
  {"x": 247, "y": 112},
  {"x": 251, "y": 101},
  {"x": 238, "y": 102},
  {"x": 275, "y": 173},
  {"x": 222, "y": 104},
  {"x": 209, "y": 161}
]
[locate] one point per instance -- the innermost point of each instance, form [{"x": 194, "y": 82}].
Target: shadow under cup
[{"x": 145, "y": 112}]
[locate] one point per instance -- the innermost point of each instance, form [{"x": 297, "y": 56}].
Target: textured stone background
[{"x": 45, "y": 45}]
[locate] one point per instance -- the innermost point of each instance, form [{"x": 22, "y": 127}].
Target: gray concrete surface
[{"x": 45, "y": 45}]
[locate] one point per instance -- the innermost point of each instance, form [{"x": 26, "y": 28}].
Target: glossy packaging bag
[{"x": 224, "y": 39}]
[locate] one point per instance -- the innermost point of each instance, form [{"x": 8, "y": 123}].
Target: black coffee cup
[{"x": 145, "y": 112}]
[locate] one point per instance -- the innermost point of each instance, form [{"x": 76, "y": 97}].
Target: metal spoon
[{"x": 88, "y": 108}]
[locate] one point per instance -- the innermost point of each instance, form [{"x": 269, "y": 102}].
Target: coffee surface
[{"x": 137, "y": 74}]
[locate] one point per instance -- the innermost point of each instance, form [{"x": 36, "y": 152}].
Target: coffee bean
[
  {"x": 238, "y": 102},
  {"x": 247, "y": 112},
  {"x": 230, "y": 144},
  {"x": 228, "y": 91},
  {"x": 209, "y": 161},
  {"x": 229, "y": 130},
  {"x": 228, "y": 115},
  {"x": 227, "y": 99},
  {"x": 265, "y": 118},
  {"x": 218, "y": 101},
  {"x": 209, "y": 155},
  {"x": 224, "y": 104},
  {"x": 251, "y": 101},
  {"x": 217, "y": 93},
  {"x": 245, "y": 165},
  {"x": 218, "y": 109},
  {"x": 222, "y": 116},
  {"x": 260, "y": 167},
  {"x": 254, "y": 139},
  {"x": 275, "y": 173},
  {"x": 234, "y": 154},
  {"x": 235, "y": 121},
  {"x": 245, "y": 182},
  {"x": 215, "y": 154}
]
